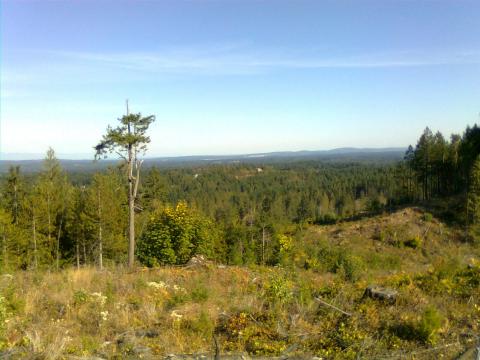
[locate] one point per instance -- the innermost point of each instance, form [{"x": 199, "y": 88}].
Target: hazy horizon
[{"x": 85, "y": 156}]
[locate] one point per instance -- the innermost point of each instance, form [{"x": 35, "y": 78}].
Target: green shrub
[
  {"x": 327, "y": 219},
  {"x": 203, "y": 325},
  {"x": 304, "y": 293},
  {"x": 429, "y": 325},
  {"x": 263, "y": 343},
  {"x": 80, "y": 297},
  {"x": 3, "y": 318},
  {"x": 427, "y": 217},
  {"x": 15, "y": 304},
  {"x": 382, "y": 261},
  {"x": 3, "y": 312},
  {"x": 278, "y": 289},
  {"x": 351, "y": 265},
  {"x": 178, "y": 298},
  {"x": 450, "y": 278},
  {"x": 174, "y": 235},
  {"x": 414, "y": 242},
  {"x": 340, "y": 261},
  {"x": 199, "y": 294},
  {"x": 424, "y": 330}
]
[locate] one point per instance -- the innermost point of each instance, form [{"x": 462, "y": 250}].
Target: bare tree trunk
[
  {"x": 5, "y": 256},
  {"x": 58, "y": 243},
  {"x": 131, "y": 204},
  {"x": 131, "y": 219},
  {"x": 84, "y": 253},
  {"x": 100, "y": 239},
  {"x": 15, "y": 205},
  {"x": 263, "y": 245},
  {"x": 49, "y": 219},
  {"x": 78, "y": 255},
  {"x": 35, "y": 260},
  {"x": 133, "y": 182},
  {"x": 100, "y": 248}
]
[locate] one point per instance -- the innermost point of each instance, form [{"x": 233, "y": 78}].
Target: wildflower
[
  {"x": 104, "y": 315},
  {"x": 98, "y": 297},
  {"x": 157, "y": 285},
  {"x": 175, "y": 315},
  {"x": 177, "y": 288}
]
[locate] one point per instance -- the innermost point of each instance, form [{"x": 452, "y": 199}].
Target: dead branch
[{"x": 332, "y": 307}]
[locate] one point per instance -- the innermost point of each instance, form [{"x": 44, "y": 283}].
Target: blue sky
[{"x": 237, "y": 76}]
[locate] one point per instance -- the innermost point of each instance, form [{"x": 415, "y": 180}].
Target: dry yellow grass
[{"x": 259, "y": 310}]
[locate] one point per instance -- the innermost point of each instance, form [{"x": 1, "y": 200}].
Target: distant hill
[{"x": 369, "y": 155}]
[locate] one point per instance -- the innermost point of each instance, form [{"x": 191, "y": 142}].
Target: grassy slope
[{"x": 264, "y": 311}]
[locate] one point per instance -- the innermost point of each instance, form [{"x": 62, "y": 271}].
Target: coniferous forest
[{"x": 234, "y": 214}]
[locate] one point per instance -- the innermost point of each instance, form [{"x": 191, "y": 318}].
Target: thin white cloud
[{"x": 232, "y": 59}]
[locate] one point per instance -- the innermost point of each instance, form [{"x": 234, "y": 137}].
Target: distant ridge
[
  {"x": 345, "y": 154},
  {"x": 89, "y": 157}
]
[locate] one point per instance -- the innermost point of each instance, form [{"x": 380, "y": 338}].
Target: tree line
[
  {"x": 234, "y": 214},
  {"x": 437, "y": 167},
  {"x": 53, "y": 218}
]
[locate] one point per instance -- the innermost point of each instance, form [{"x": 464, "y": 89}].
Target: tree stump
[{"x": 381, "y": 293}]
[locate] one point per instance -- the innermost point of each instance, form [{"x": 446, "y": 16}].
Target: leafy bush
[
  {"x": 414, "y": 242},
  {"x": 202, "y": 325},
  {"x": 304, "y": 292},
  {"x": 391, "y": 235},
  {"x": 424, "y": 330},
  {"x": 349, "y": 265},
  {"x": 429, "y": 325},
  {"x": 174, "y": 235},
  {"x": 427, "y": 217},
  {"x": 279, "y": 290},
  {"x": 340, "y": 261},
  {"x": 450, "y": 278},
  {"x": 80, "y": 297},
  {"x": 3, "y": 318},
  {"x": 235, "y": 325},
  {"x": 199, "y": 294},
  {"x": 177, "y": 298},
  {"x": 264, "y": 343},
  {"x": 15, "y": 303},
  {"x": 327, "y": 219}
]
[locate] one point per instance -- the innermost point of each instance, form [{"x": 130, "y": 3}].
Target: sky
[{"x": 237, "y": 76}]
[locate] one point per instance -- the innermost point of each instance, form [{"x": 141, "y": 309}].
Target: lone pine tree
[{"x": 128, "y": 141}]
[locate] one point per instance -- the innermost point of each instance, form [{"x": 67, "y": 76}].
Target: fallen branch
[
  {"x": 426, "y": 232},
  {"x": 332, "y": 306}
]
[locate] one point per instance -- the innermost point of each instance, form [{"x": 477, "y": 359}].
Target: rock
[
  {"x": 149, "y": 333},
  {"x": 470, "y": 354},
  {"x": 198, "y": 261},
  {"x": 142, "y": 351},
  {"x": 381, "y": 293}
]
